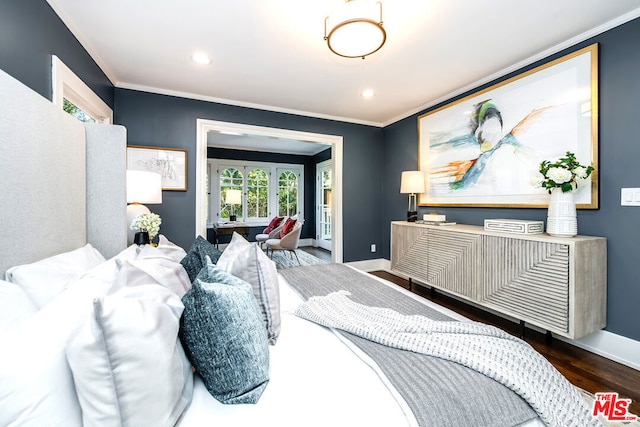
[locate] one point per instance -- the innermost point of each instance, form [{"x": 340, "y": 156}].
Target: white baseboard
[
  {"x": 307, "y": 242},
  {"x": 603, "y": 343},
  {"x": 612, "y": 346},
  {"x": 371, "y": 264}
]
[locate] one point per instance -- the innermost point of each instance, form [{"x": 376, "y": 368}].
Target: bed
[{"x": 96, "y": 332}]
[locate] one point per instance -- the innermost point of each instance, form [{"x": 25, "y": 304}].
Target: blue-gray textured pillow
[
  {"x": 196, "y": 257},
  {"x": 223, "y": 335}
]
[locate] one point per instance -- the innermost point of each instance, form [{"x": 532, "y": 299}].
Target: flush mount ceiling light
[
  {"x": 367, "y": 93},
  {"x": 354, "y": 30},
  {"x": 201, "y": 58}
]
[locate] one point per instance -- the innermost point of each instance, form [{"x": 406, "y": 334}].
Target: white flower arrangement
[
  {"x": 564, "y": 173},
  {"x": 148, "y": 222}
]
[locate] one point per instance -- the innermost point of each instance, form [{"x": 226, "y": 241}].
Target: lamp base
[
  {"x": 232, "y": 218},
  {"x": 412, "y": 216},
  {"x": 141, "y": 238}
]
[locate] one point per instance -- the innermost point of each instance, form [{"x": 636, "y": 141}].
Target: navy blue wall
[
  {"x": 322, "y": 156},
  {"x": 167, "y": 121},
  {"x": 619, "y": 154},
  {"x": 30, "y": 33}
]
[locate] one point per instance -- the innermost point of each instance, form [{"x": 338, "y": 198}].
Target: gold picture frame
[
  {"x": 484, "y": 150},
  {"x": 170, "y": 163}
]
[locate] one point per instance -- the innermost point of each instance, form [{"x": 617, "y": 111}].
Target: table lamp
[
  {"x": 142, "y": 187},
  {"x": 233, "y": 197},
  {"x": 412, "y": 182}
]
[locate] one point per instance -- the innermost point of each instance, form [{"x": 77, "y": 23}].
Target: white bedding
[
  {"x": 340, "y": 391},
  {"x": 316, "y": 379}
]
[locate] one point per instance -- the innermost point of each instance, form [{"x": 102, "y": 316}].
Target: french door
[{"x": 324, "y": 185}]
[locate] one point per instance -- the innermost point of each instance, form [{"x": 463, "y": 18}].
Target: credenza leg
[
  {"x": 522, "y": 329},
  {"x": 410, "y": 285}
]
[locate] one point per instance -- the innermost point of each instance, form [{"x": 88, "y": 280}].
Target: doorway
[
  {"x": 204, "y": 126},
  {"x": 324, "y": 187}
]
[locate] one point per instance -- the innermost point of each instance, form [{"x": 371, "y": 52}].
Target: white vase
[{"x": 562, "y": 220}]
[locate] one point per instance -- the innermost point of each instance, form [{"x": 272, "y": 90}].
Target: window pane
[
  {"x": 287, "y": 194},
  {"x": 76, "y": 112},
  {"x": 257, "y": 194},
  {"x": 230, "y": 179}
]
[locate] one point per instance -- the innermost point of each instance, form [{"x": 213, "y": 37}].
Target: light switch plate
[{"x": 630, "y": 197}]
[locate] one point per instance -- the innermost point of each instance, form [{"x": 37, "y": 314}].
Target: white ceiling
[
  {"x": 251, "y": 142},
  {"x": 271, "y": 54}
]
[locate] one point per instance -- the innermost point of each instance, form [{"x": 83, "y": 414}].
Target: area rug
[{"x": 285, "y": 259}]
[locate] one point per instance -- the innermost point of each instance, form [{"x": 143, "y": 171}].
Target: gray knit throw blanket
[{"x": 484, "y": 348}]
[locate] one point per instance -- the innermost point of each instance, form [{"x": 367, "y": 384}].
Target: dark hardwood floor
[
  {"x": 584, "y": 369},
  {"x": 323, "y": 254}
]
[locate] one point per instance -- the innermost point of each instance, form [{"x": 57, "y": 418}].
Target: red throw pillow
[
  {"x": 275, "y": 222},
  {"x": 288, "y": 226}
]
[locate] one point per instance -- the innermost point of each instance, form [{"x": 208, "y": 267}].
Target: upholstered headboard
[{"x": 62, "y": 183}]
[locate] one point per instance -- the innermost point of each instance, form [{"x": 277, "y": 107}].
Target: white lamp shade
[
  {"x": 412, "y": 182},
  {"x": 355, "y": 29},
  {"x": 233, "y": 197},
  {"x": 144, "y": 187}
]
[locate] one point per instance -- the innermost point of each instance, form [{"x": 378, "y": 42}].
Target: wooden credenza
[{"x": 558, "y": 284}]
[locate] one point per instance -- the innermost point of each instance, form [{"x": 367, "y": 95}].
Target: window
[
  {"x": 75, "y": 97},
  {"x": 268, "y": 189},
  {"x": 230, "y": 179},
  {"x": 76, "y": 112},
  {"x": 257, "y": 194},
  {"x": 287, "y": 193}
]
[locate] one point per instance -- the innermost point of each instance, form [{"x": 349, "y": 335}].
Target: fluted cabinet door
[
  {"x": 528, "y": 280},
  {"x": 409, "y": 251},
  {"x": 452, "y": 261}
]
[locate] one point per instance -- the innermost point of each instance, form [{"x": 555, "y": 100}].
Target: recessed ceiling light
[
  {"x": 201, "y": 58},
  {"x": 367, "y": 93}
]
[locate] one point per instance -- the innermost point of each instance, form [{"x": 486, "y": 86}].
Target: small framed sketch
[{"x": 170, "y": 163}]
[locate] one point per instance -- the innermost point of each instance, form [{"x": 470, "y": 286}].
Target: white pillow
[
  {"x": 15, "y": 305},
  {"x": 44, "y": 279},
  {"x": 37, "y": 385},
  {"x": 160, "y": 271},
  {"x": 168, "y": 249},
  {"x": 127, "y": 361},
  {"x": 235, "y": 246},
  {"x": 248, "y": 262}
]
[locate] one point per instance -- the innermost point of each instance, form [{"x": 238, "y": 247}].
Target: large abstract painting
[{"x": 485, "y": 149}]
